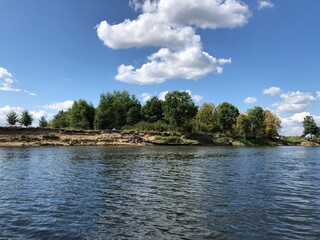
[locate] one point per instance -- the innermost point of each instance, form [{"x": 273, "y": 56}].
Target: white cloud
[
  {"x": 263, "y": 4},
  {"x": 250, "y": 100},
  {"x": 294, "y": 102},
  {"x": 162, "y": 95},
  {"x": 170, "y": 25},
  {"x": 273, "y": 91},
  {"x": 318, "y": 94},
  {"x": 59, "y": 105},
  {"x": 7, "y": 109},
  {"x": 146, "y": 96},
  {"x": 6, "y": 82},
  {"x": 292, "y": 126},
  {"x": 196, "y": 98}
]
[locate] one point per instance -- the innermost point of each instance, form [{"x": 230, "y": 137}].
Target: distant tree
[
  {"x": 179, "y": 109},
  {"x": 309, "y": 126},
  {"x": 43, "y": 122},
  {"x": 205, "y": 119},
  {"x": 152, "y": 111},
  {"x": 60, "y": 120},
  {"x": 116, "y": 110},
  {"x": 226, "y": 116},
  {"x": 81, "y": 115},
  {"x": 26, "y": 118},
  {"x": 272, "y": 124},
  {"x": 12, "y": 118},
  {"x": 243, "y": 126},
  {"x": 256, "y": 118}
]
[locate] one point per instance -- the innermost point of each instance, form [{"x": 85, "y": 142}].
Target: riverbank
[{"x": 17, "y": 136}]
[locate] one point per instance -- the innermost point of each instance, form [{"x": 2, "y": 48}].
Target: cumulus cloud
[
  {"x": 196, "y": 98},
  {"x": 170, "y": 25},
  {"x": 59, "y": 105},
  {"x": 251, "y": 100},
  {"x": 318, "y": 94},
  {"x": 294, "y": 102},
  {"x": 162, "y": 95},
  {"x": 6, "y": 82},
  {"x": 7, "y": 109},
  {"x": 292, "y": 126},
  {"x": 272, "y": 91},
  {"x": 146, "y": 97},
  {"x": 263, "y": 4}
]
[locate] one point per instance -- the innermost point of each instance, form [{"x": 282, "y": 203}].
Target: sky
[{"x": 249, "y": 53}]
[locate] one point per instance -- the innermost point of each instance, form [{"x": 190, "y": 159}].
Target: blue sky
[{"x": 250, "y": 53}]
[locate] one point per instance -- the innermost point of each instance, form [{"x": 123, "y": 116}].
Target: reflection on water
[{"x": 159, "y": 192}]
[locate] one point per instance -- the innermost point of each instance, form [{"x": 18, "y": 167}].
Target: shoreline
[{"x": 32, "y": 137}]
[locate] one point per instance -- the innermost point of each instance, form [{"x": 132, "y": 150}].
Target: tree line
[{"x": 177, "y": 112}]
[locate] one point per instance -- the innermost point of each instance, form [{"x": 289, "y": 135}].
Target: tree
[
  {"x": 256, "y": 118},
  {"x": 60, "y": 120},
  {"x": 152, "y": 111},
  {"x": 26, "y": 118},
  {"x": 226, "y": 116},
  {"x": 309, "y": 126},
  {"x": 272, "y": 124},
  {"x": 243, "y": 125},
  {"x": 81, "y": 115},
  {"x": 116, "y": 110},
  {"x": 43, "y": 122},
  {"x": 205, "y": 120},
  {"x": 179, "y": 109},
  {"x": 12, "y": 118}
]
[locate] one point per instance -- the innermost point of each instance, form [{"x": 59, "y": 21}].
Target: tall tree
[
  {"x": 60, "y": 120},
  {"x": 309, "y": 126},
  {"x": 243, "y": 125},
  {"x": 226, "y": 116},
  {"x": 81, "y": 115},
  {"x": 26, "y": 118},
  {"x": 205, "y": 118},
  {"x": 43, "y": 122},
  {"x": 256, "y": 117},
  {"x": 179, "y": 109},
  {"x": 272, "y": 124},
  {"x": 12, "y": 118},
  {"x": 152, "y": 111}
]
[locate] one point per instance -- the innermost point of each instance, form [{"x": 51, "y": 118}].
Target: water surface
[{"x": 159, "y": 193}]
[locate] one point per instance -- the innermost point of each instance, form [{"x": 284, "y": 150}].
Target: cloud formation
[
  {"x": 251, "y": 100},
  {"x": 294, "y": 102},
  {"x": 273, "y": 91},
  {"x": 6, "y": 82},
  {"x": 263, "y": 4},
  {"x": 170, "y": 25},
  {"x": 59, "y": 105}
]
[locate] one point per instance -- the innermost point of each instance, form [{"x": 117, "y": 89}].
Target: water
[{"x": 159, "y": 193}]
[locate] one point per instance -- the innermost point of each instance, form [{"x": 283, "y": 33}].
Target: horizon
[{"x": 249, "y": 53}]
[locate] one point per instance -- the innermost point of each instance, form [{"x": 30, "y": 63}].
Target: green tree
[
  {"x": 256, "y": 118},
  {"x": 243, "y": 125},
  {"x": 152, "y": 111},
  {"x": 226, "y": 116},
  {"x": 12, "y": 118},
  {"x": 81, "y": 115},
  {"x": 43, "y": 122},
  {"x": 205, "y": 118},
  {"x": 272, "y": 124},
  {"x": 26, "y": 118},
  {"x": 179, "y": 109},
  {"x": 116, "y": 110},
  {"x": 309, "y": 126},
  {"x": 60, "y": 120}
]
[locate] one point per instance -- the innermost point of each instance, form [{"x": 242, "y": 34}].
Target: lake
[{"x": 159, "y": 193}]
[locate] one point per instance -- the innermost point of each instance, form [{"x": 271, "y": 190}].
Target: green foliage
[
  {"x": 243, "y": 125},
  {"x": 12, "y": 118},
  {"x": 116, "y": 110},
  {"x": 26, "y": 118},
  {"x": 179, "y": 109},
  {"x": 145, "y": 126},
  {"x": 272, "y": 125},
  {"x": 309, "y": 126},
  {"x": 60, "y": 120},
  {"x": 226, "y": 116},
  {"x": 205, "y": 118},
  {"x": 43, "y": 122},
  {"x": 81, "y": 115},
  {"x": 152, "y": 111},
  {"x": 256, "y": 118}
]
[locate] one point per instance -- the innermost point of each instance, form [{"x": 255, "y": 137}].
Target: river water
[{"x": 159, "y": 193}]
